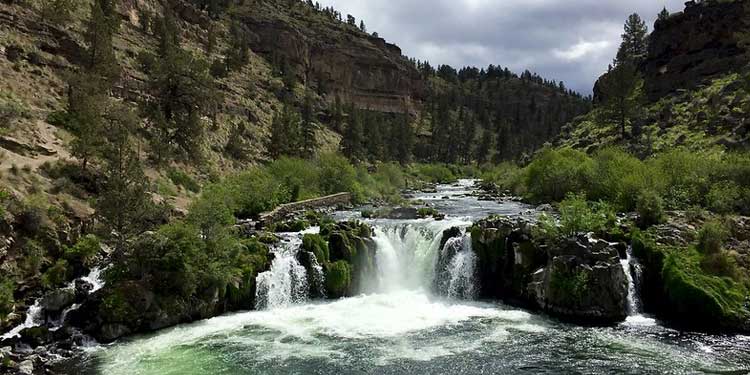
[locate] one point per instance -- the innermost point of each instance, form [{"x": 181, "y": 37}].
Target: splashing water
[
  {"x": 461, "y": 269},
  {"x": 286, "y": 282},
  {"x": 633, "y": 275},
  {"x": 34, "y": 318}
]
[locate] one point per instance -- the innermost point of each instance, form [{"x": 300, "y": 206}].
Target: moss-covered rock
[
  {"x": 316, "y": 244},
  {"x": 338, "y": 279}
]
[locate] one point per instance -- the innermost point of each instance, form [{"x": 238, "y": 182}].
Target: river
[{"x": 396, "y": 326}]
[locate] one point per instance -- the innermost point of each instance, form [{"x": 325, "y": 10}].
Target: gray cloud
[{"x": 571, "y": 40}]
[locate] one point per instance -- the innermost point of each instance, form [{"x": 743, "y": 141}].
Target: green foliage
[
  {"x": 11, "y": 109},
  {"x": 555, "y": 173},
  {"x": 7, "y": 300},
  {"x": 58, "y": 11},
  {"x": 650, "y": 208},
  {"x": 570, "y": 285},
  {"x": 506, "y": 176},
  {"x": 84, "y": 251},
  {"x": 434, "y": 173},
  {"x": 317, "y": 245},
  {"x": 338, "y": 278},
  {"x": 56, "y": 275},
  {"x": 712, "y": 236},
  {"x": 181, "y": 178},
  {"x": 577, "y": 216},
  {"x": 697, "y": 295},
  {"x": 337, "y": 175}
]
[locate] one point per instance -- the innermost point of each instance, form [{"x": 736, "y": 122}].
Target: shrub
[
  {"x": 337, "y": 175},
  {"x": 180, "y": 178},
  {"x": 84, "y": 251},
  {"x": 506, "y": 176},
  {"x": 254, "y": 192},
  {"x": 711, "y": 237},
  {"x": 434, "y": 173},
  {"x": 650, "y": 208},
  {"x": 555, "y": 173},
  {"x": 11, "y": 108},
  {"x": 686, "y": 176},
  {"x": 577, "y": 216},
  {"x": 56, "y": 275},
  {"x": 298, "y": 177},
  {"x": 724, "y": 197},
  {"x": 6, "y": 297}
]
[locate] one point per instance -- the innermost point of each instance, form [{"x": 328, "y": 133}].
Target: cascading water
[
  {"x": 286, "y": 282},
  {"x": 456, "y": 278},
  {"x": 35, "y": 315},
  {"x": 34, "y": 318},
  {"x": 408, "y": 257},
  {"x": 633, "y": 275}
]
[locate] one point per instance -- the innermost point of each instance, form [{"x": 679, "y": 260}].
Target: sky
[{"x": 569, "y": 40}]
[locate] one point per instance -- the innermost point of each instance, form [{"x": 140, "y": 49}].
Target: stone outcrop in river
[{"x": 576, "y": 278}]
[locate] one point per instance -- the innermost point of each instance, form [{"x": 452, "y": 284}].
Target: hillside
[{"x": 693, "y": 87}]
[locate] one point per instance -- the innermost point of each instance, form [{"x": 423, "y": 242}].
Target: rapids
[{"x": 398, "y": 325}]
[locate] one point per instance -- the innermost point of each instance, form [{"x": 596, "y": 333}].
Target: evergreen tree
[
  {"x": 285, "y": 133},
  {"x": 634, "y": 46},
  {"x": 352, "y": 143},
  {"x": 309, "y": 143},
  {"x": 181, "y": 92},
  {"x": 663, "y": 15},
  {"x": 124, "y": 203},
  {"x": 622, "y": 89},
  {"x": 89, "y": 88}
]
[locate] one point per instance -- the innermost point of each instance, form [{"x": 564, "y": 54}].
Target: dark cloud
[{"x": 571, "y": 40}]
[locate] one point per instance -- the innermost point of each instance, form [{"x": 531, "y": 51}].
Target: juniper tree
[
  {"x": 90, "y": 87},
  {"x": 124, "y": 203},
  {"x": 181, "y": 93}
]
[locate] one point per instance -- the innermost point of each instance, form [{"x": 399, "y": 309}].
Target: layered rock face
[
  {"x": 575, "y": 278},
  {"x": 339, "y": 60},
  {"x": 694, "y": 45}
]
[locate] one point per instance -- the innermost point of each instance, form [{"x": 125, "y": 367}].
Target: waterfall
[
  {"x": 34, "y": 318},
  {"x": 286, "y": 282},
  {"x": 35, "y": 315},
  {"x": 409, "y": 257},
  {"x": 456, "y": 268},
  {"x": 632, "y": 273}
]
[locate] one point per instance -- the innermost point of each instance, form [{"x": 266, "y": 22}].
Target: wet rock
[
  {"x": 26, "y": 367},
  {"x": 57, "y": 300}
]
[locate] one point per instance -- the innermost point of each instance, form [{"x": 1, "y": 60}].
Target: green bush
[
  {"x": 555, "y": 173},
  {"x": 11, "y": 108},
  {"x": 180, "y": 178},
  {"x": 434, "y": 173},
  {"x": 337, "y": 175},
  {"x": 298, "y": 176},
  {"x": 255, "y": 191},
  {"x": 712, "y": 236},
  {"x": 506, "y": 176},
  {"x": 650, "y": 208},
  {"x": 686, "y": 176},
  {"x": 6, "y": 297},
  {"x": 56, "y": 275},
  {"x": 725, "y": 197},
  {"x": 84, "y": 251}
]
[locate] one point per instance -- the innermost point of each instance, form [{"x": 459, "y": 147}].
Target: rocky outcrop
[
  {"x": 338, "y": 59},
  {"x": 692, "y": 46},
  {"x": 578, "y": 278}
]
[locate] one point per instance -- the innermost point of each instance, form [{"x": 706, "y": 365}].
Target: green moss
[
  {"x": 427, "y": 212},
  {"x": 317, "y": 245},
  {"x": 699, "y": 297},
  {"x": 338, "y": 279}
]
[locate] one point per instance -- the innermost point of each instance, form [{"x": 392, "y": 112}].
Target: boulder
[{"x": 56, "y": 300}]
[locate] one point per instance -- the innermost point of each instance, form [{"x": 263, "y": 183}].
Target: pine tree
[
  {"x": 634, "y": 46},
  {"x": 309, "y": 143},
  {"x": 622, "y": 89},
  {"x": 181, "y": 92},
  {"x": 124, "y": 203},
  {"x": 89, "y": 88},
  {"x": 663, "y": 15},
  {"x": 353, "y": 141}
]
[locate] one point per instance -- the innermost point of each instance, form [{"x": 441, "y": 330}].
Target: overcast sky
[{"x": 568, "y": 40}]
